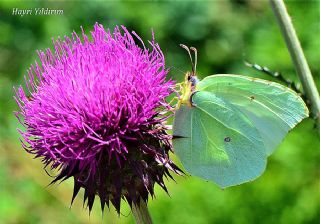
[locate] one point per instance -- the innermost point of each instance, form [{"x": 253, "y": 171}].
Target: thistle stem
[
  {"x": 141, "y": 213},
  {"x": 298, "y": 57}
]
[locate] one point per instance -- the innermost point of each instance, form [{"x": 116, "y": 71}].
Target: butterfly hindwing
[{"x": 217, "y": 142}]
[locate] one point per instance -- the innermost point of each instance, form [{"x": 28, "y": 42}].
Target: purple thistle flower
[{"x": 96, "y": 112}]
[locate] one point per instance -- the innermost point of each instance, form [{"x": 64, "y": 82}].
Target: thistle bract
[{"x": 96, "y": 111}]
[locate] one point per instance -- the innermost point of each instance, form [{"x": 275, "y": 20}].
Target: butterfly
[{"x": 225, "y": 126}]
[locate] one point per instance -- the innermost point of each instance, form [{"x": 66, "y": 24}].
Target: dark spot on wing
[
  {"x": 252, "y": 97},
  {"x": 227, "y": 139}
]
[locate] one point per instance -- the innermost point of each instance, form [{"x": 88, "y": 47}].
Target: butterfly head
[{"x": 191, "y": 79}]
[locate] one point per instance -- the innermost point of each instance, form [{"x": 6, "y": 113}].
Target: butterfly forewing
[{"x": 273, "y": 109}]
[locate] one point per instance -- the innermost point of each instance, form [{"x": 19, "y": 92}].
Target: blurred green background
[{"x": 225, "y": 33}]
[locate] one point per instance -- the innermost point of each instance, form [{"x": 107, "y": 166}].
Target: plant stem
[
  {"x": 298, "y": 57},
  {"x": 141, "y": 213}
]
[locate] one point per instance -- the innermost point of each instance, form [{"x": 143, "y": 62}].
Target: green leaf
[{"x": 235, "y": 123}]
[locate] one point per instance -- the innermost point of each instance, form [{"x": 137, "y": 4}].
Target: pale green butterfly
[{"x": 226, "y": 126}]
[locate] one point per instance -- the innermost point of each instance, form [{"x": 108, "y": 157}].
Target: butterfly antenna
[
  {"x": 195, "y": 59},
  {"x": 187, "y": 49}
]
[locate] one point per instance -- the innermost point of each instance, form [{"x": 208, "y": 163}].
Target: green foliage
[{"x": 225, "y": 33}]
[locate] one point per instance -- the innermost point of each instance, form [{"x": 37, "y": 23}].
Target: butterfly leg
[{"x": 174, "y": 104}]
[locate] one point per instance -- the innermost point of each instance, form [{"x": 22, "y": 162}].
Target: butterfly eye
[{"x": 194, "y": 80}]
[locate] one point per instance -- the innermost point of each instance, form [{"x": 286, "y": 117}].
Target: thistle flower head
[{"x": 95, "y": 111}]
